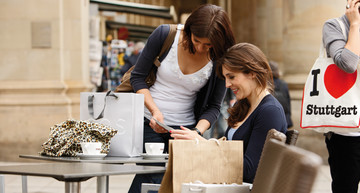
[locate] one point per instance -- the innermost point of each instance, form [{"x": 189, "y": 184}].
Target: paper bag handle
[{"x": 91, "y": 104}]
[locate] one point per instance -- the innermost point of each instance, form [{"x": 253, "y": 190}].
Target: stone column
[
  {"x": 289, "y": 32},
  {"x": 44, "y": 62}
]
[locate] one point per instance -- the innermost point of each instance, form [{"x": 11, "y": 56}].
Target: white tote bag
[
  {"x": 121, "y": 111},
  {"x": 331, "y": 97}
]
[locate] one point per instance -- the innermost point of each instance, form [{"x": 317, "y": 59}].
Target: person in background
[
  {"x": 344, "y": 148},
  {"x": 247, "y": 73},
  {"x": 281, "y": 92},
  {"x": 131, "y": 60},
  {"x": 187, "y": 90}
]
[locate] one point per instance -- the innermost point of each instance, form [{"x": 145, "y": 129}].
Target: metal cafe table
[
  {"x": 74, "y": 173},
  {"x": 105, "y": 160},
  {"x": 102, "y": 181}
]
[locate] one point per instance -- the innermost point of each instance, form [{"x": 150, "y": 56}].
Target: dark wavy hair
[
  {"x": 212, "y": 22},
  {"x": 245, "y": 58}
]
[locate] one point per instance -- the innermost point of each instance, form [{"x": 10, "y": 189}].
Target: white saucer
[
  {"x": 160, "y": 156},
  {"x": 91, "y": 156}
]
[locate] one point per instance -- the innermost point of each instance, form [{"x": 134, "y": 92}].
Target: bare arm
[{"x": 154, "y": 110}]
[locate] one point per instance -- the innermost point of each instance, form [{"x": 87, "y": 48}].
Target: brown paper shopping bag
[{"x": 209, "y": 161}]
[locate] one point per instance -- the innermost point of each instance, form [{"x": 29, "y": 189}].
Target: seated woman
[{"x": 247, "y": 73}]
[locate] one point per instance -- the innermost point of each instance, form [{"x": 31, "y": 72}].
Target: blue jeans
[{"x": 151, "y": 136}]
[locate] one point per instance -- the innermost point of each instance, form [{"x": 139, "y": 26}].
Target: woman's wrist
[
  {"x": 155, "y": 111},
  {"x": 197, "y": 131}
]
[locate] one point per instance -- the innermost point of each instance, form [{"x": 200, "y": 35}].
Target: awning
[
  {"x": 137, "y": 8},
  {"x": 135, "y": 31}
]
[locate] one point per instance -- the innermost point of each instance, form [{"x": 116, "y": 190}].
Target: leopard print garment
[{"x": 65, "y": 138}]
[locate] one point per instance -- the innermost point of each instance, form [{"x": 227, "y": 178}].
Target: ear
[{"x": 252, "y": 75}]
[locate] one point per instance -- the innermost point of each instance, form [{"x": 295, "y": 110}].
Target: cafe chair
[
  {"x": 275, "y": 134},
  {"x": 291, "y": 136},
  {"x": 146, "y": 187},
  {"x": 285, "y": 168}
]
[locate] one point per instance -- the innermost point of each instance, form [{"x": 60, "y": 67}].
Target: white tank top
[{"x": 175, "y": 93}]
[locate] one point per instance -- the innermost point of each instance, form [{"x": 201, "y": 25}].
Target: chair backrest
[
  {"x": 284, "y": 168},
  {"x": 297, "y": 172},
  {"x": 292, "y": 136},
  {"x": 268, "y": 166},
  {"x": 275, "y": 134}
]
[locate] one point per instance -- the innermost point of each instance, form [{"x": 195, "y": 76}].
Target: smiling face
[
  {"x": 201, "y": 45},
  {"x": 243, "y": 85}
]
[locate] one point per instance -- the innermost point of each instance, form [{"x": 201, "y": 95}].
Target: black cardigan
[{"x": 209, "y": 98}]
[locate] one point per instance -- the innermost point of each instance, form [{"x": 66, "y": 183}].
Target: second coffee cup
[{"x": 154, "y": 148}]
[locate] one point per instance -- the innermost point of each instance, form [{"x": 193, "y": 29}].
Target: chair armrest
[{"x": 146, "y": 187}]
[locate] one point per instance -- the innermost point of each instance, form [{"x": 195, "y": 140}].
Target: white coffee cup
[
  {"x": 91, "y": 148},
  {"x": 154, "y": 148}
]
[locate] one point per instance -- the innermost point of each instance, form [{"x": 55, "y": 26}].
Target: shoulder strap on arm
[
  {"x": 322, "y": 52},
  {"x": 167, "y": 43},
  {"x": 342, "y": 26}
]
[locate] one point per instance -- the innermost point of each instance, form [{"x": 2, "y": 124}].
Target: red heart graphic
[{"x": 338, "y": 82}]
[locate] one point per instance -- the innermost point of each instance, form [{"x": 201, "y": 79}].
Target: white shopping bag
[
  {"x": 121, "y": 111},
  {"x": 199, "y": 187},
  {"x": 331, "y": 97}
]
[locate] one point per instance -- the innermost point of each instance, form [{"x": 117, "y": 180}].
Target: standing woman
[
  {"x": 187, "y": 91},
  {"x": 344, "y": 148},
  {"x": 247, "y": 73}
]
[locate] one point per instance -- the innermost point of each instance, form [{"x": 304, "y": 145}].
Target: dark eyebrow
[
  {"x": 227, "y": 74},
  {"x": 196, "y": 39}
]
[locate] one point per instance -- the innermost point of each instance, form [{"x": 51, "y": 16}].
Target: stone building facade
[{"x": 44, "y": 60}]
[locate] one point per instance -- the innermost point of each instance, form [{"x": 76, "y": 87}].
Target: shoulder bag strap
[
  {"x": 342, "y": 26},
  {"x": 167, "y": 43}
]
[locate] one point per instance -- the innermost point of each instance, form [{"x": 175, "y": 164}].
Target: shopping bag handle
[{"x": 91, "y": 104}]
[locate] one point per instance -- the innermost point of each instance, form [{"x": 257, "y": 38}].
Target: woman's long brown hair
[
  {"x": 212, "y": 22},
  {"x": 245, "y": 58}
]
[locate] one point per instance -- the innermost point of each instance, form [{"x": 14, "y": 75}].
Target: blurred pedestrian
[
  {"x": 131, "y": 60},
  {"x": 281, "y": 92}
]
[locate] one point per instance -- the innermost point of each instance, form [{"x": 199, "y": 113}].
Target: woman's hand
[
  {"x": 185, "y": 133},
  {"x": 157, "y": 128},
  {"x": 154, "y": 110},
  {"x": 352, "y": 13}
]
